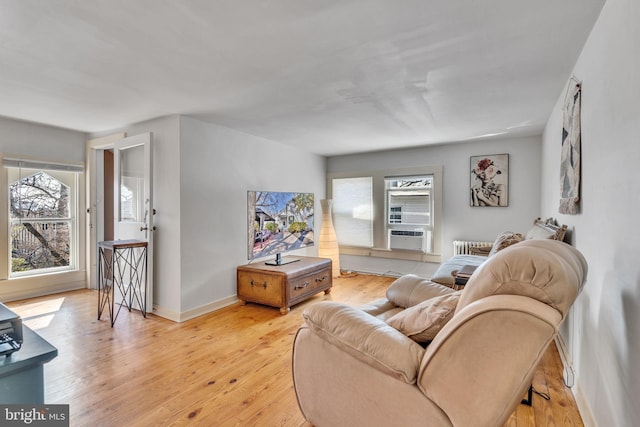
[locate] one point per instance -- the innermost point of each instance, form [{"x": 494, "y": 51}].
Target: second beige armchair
[{"x": 352, "y": 368}]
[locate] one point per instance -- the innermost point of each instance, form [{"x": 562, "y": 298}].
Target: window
[
  {"x": 42, "y": 219},
  {"x": 409, "y": 206},
  {"x": 392, "y": 213},
  {"x": 409, "y": 200},
  {"x": 132, "y": 202},
  {"x": 353, "y": 211}
]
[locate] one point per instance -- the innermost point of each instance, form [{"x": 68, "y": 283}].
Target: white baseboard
[
  {"x": 370, "y": 272},
  {"x": 386, "y": 267},
  {"x": 572, "y": 381},
  {"x": 195, "y": 312},
  {"x": 16, "y": 293},
  {"x": 165, "y": 313},
  {"x": 583, "y": 406},
  {"x": 568, "y": 374}
]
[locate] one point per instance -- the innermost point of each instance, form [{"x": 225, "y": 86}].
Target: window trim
[
  {"x": 71, "y": 219},
  {"x": 380, "y": 235},
  {"x": 15, "y": 288},
  {"x": 427, "y": 227}
]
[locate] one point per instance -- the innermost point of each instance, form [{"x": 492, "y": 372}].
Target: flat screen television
[{"x": 278, "y": 222}]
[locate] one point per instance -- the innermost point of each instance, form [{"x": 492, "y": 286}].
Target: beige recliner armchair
[{"x": 351, "y": 368}]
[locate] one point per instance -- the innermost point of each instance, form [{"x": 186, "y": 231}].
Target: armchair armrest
[{"x": 366, "y": 338}]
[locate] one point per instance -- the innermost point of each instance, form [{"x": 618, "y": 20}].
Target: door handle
[{"x": 146, "y": 228}]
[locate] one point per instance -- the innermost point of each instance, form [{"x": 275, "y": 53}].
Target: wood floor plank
[{"x": 227, "y": 368}]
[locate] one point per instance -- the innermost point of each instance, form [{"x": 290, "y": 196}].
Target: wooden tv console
[{"x": 284, "y": 285}]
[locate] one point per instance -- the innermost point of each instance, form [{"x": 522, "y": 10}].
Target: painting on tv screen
[{"x": 278, "y": 222}]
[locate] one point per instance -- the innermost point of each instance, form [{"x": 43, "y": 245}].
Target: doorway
[{"x": 120, "y": 198}]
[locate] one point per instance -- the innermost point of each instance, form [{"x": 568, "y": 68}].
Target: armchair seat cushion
[
  {"x": 381, "y": 308},
  {"x": 410, "y": 290}
]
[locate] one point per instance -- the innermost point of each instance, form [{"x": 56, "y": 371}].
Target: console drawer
[{"x": 309, "y": 284}]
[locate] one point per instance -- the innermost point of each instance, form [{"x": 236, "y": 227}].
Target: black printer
[{"x": 10, "y": 331}]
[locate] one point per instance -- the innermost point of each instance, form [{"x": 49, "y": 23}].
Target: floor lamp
[{"x": 328, "y": 243}]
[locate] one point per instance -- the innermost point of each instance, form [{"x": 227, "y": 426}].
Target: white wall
[
  {"x": 218, "y": 166},
  {"x": 460, "y": 221},
  {"x": 45, "y": 143},
  {"x": 41, "y": 141},
  {"x": 604, "y": 333},
  {"x": 202, "y": 173}
]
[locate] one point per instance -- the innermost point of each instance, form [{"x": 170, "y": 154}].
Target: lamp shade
[{"x": 327, "y": 241}]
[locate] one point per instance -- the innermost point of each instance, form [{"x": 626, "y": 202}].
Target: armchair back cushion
[{"x": 549, "y": 271}]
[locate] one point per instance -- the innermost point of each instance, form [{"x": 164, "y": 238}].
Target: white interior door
[{"x": 133, "y": 198}]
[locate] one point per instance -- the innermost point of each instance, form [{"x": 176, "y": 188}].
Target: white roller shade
[{"x": 353, "y": 211}]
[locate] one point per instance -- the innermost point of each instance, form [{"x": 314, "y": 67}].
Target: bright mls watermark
[{"x": 34, "y": 415}]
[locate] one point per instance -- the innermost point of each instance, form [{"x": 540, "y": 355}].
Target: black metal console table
[{"x": 122, "y": 264}]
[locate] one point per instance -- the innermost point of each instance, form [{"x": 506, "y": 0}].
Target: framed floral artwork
[{"x": 490, "y": 180}]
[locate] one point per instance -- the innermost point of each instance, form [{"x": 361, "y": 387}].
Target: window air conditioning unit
[{"x": 409, "y": 240}]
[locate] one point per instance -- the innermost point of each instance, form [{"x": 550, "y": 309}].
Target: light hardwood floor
[{"x": 228, "y": 368}]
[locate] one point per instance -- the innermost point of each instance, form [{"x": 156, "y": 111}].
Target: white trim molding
[
  {"x": 570, "y": 380},
  {"x": 195, "y": 312}
]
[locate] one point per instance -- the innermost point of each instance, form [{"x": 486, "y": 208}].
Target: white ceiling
[{"x": 329, "y": 76}]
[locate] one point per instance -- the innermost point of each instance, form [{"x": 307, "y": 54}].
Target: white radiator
[{"x": 463, "y": 247}]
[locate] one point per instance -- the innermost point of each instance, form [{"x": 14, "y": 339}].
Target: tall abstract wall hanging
[{"x": 570, "y": 158}]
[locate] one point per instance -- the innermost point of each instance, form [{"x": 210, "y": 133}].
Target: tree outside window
[{"x": 40, "y": 216}]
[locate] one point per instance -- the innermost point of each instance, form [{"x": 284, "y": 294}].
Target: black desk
[{"x": 22, "y": 373}]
